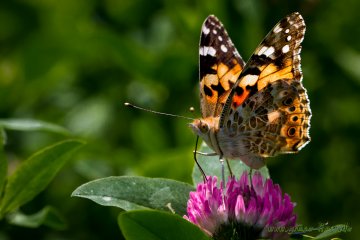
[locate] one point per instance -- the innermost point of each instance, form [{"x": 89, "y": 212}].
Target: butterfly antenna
[
  {"x": 192, "y": 110},
  {"x": 156, "y": 112}
]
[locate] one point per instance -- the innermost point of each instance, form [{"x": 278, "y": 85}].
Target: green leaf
[
  {"x": 34, "y": 174},
  {"x": 32, "y": 125},
  {"x": 212, "y": 167},
  {"x": 3, "y": 161},
  {"x": 333, "y": 230},
  {"x": 48, "y": 216},
  {"x": 157, "y": 225},
  {"x": 131, "y": 193}
]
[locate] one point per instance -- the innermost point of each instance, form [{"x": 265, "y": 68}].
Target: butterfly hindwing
[
  {"x": 220, "y": 67},
  {"x": 267, "y": 111}
]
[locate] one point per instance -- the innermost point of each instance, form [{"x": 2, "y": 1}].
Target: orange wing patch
[
  {"x": 215, "y": 88},
  {"x": 239, "y": 99},
  {"x": 272, "y": 72}
]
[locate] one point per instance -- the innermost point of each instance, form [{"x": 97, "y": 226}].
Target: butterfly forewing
[
  {"x": 267, "y": 111},
  {"x": 220, "y": 67},
  {"x": 277, "y": 57}
]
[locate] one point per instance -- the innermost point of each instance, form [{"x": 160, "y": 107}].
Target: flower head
[{"x": 242, "y": 210}]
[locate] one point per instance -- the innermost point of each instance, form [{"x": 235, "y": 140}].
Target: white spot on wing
[
  {"x": 269, "y": 51},
  {"x": 220, "y": 38},
  {"x": 288, "y": 38},
  {"x": 207, "y": 51},
  {"x": 250, "y": 80},
  {"x": 277, "y": 29},
  {"x": 287, "y": 30},
  {"x": 262, "y": 50},
  {"x": 201, "y": 51},
  {"x": 285, "y": 48},
  {"x": 212, "y": 51},
  {"x": 223, "y": 48},
  {"x": 273, "y": 116},
  {"x": 205, "y": 30},
  {"x": 214, "y": 31}
]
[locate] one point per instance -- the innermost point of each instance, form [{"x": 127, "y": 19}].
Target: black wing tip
[
  {"x": 212, "y": 20},
  {"x": 294, "y": 14},
  {"x": 212, "y": 16}
]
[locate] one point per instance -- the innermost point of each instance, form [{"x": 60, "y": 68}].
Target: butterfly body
[{"x": 255, "y": 110}]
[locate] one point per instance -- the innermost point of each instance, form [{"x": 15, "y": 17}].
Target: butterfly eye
[{"x": 204, "y": 128}]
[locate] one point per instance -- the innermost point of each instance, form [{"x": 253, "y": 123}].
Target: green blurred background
[{"x": 75, "y": 63}]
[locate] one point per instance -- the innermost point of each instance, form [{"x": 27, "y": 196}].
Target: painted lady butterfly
[{"x": 255, "y": 110}]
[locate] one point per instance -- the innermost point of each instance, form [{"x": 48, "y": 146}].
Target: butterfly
[{"x": 254, "y": 110}]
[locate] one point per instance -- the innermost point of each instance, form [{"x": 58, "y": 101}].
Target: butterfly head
[
  {"x": 200, "y": 127},
  {"x": 205, "y": 128}
]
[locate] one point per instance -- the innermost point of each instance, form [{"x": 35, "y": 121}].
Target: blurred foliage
[{"x": 74, "y": 63}]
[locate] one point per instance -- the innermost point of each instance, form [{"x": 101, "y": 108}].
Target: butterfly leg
[
  {"x": 196, "y": 161},
  {"x": 222, "y": 172},
  {"x": 205, "y": 154},
  {"x": 229, "y": 168}
]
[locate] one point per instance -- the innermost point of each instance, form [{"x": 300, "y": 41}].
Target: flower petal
[{"x": 259, "y": 204}]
